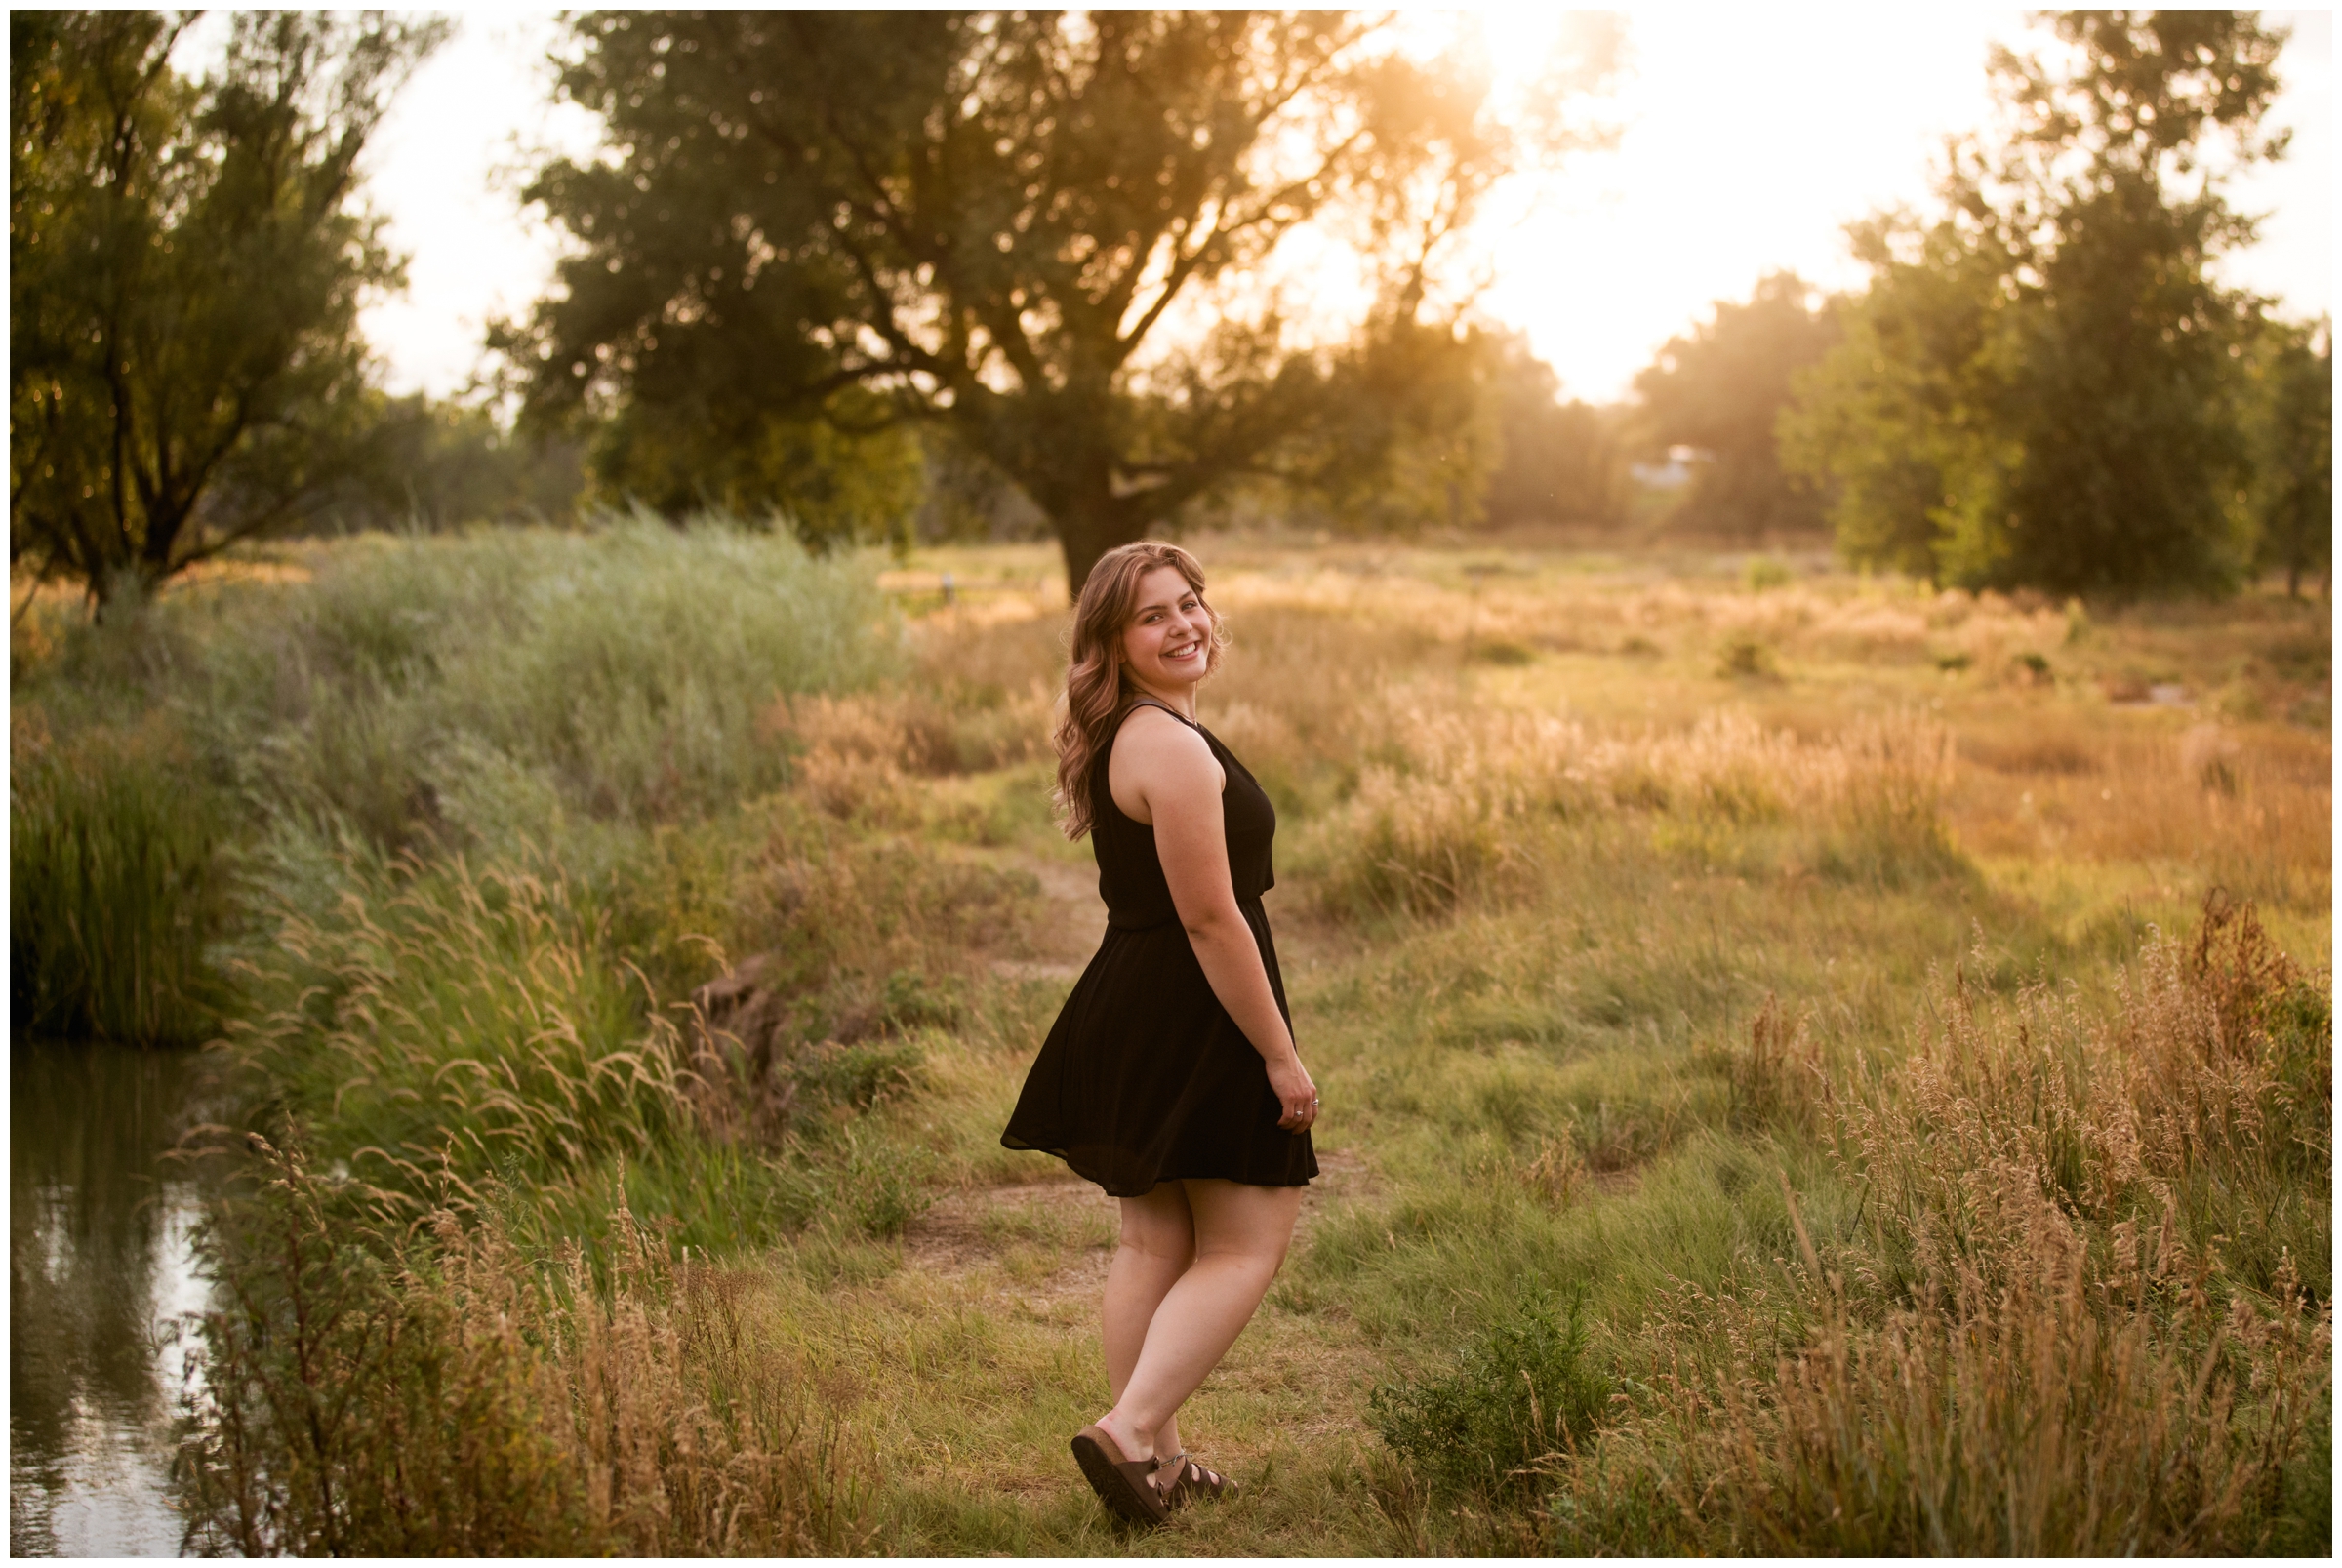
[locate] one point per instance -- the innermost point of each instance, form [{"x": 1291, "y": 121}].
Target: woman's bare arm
[{"x": 1166, "y": 772}]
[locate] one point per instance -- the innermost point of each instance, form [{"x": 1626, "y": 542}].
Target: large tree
[
  {"x": 187, "y": 266},
  {"x": 1721, "y": 389},
  {"x": 1048, "y": 232},
  {"x": 2040, "y": 385}
]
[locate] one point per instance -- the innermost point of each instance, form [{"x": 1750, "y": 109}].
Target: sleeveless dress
[{"x": 1145, "y": 1077}]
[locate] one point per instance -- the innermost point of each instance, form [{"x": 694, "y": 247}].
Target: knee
[
  {"x": 1169, "y": 1243},
  {"x": 1263, "y": 1256}
]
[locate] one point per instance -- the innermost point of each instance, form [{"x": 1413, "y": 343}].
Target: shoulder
[
  {"x": 1153, "y": 741},
  {"x": 1148, "y": 733}
]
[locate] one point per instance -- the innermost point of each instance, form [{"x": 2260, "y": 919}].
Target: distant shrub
[
  {"x": 1504, "y": 652},
  {"x": 857, "y": 1075},
  {"x": 1517, "y": 1393},
  {"x": 1744, "y": 658}
]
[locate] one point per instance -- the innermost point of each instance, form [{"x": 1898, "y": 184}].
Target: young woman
[{"x": 1170, "y": 1079}]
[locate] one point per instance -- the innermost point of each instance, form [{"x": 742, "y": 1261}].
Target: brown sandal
[
  {"x": 1124, "y": 1485},
  {"x": 1195, "y": 1481}
]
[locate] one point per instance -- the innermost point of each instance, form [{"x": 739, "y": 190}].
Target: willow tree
[{"x": 1049, "y": 235}]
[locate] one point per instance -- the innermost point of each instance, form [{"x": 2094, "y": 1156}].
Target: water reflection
[{"x": 101, "y": 1264}]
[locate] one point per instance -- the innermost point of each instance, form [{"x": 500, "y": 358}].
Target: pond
[{"x": 101, "y": 1265}]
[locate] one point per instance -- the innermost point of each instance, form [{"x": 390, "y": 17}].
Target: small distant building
[{"x": 1672, "y": 474}]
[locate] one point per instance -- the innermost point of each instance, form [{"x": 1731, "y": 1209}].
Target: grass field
[{"x": 1810, "y": 1064}]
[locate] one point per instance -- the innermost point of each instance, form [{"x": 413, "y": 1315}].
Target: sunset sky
[{"x": 1750, "y": 137}]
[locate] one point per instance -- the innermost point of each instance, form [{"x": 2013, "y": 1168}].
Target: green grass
[
  {"x": 1747, "y": 1094},
  {"x": 116, "y": 888}
]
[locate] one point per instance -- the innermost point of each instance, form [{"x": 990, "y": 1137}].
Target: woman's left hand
[{"x": 1296, "y": 1093}]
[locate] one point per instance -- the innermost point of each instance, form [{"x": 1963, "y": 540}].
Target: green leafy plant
[{"x": 1516, "y": 1392}]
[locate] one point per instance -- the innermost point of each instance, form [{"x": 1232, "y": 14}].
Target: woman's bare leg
[
  {"x": 1158, "y": 1243},
  {"x": 1241, "y": 1233}
]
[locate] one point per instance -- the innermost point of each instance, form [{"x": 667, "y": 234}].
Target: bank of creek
[{"x": 101, "y": 1267}]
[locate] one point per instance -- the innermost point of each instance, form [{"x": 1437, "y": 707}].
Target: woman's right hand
[{"x": 1295, "y": 1091}]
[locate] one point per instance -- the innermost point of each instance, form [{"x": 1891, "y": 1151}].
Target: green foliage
[
  {"x": 495, "y": 692},
  {"x": 116, "y": 887},
  {"x": 2291, "y": 424},
  {"x": 2036, "y": 389},
  {"x": 186, "y": 271},
  {"x": 441, "y": 465},
  {"x": 1517, "y": 1393},
  {"x": 827, "y": 486},
  {"x": 1720, "y": 390},
  {"x": 1406, "y": 437},
  {"x": 482, "y": 690},
  {"x": 984, "y": 221},
  {"x": 1883, "y": 418}
]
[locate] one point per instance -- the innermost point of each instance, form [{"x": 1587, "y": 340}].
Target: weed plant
[{"x": 1518, "y": 1393}]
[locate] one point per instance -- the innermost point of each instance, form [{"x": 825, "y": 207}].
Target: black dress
[{"x": 1145, "y": 1077}]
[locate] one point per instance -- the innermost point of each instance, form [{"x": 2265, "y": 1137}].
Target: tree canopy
[
  {"x": 186, "y": 268},
  {"x": 1011, "y": 224},
  {"x": 2041, "y": 384}
]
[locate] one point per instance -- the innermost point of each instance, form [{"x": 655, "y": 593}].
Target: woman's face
[{"x": 1168, "y": 641}]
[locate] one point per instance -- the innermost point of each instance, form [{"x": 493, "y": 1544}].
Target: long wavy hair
[{"x": 1096, "y": 691}]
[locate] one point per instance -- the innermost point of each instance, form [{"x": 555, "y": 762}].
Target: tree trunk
[
  {"x": 1090, "y": 527},
  {"x": 1061, "y": 453}
]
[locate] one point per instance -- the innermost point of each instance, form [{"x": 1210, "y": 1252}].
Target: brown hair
[{"x": 1096, "y": 694}]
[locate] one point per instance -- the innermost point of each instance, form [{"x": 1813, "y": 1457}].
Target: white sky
[{"x": 1751, "y": 137}]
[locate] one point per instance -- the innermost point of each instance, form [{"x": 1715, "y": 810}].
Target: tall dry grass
[
  {"x": 2026, "y": 1419},
  {"x": 452, "y": 1022},
  {"x": 2035, "y": 1341},
  {"x": 2014, "y": 1127},
  {"x": 386, "y": 1391},
  {"x": 1464, "y": 806}
]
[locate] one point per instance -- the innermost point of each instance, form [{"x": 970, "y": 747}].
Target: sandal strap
[{"x": 1195, "y": 1477}]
